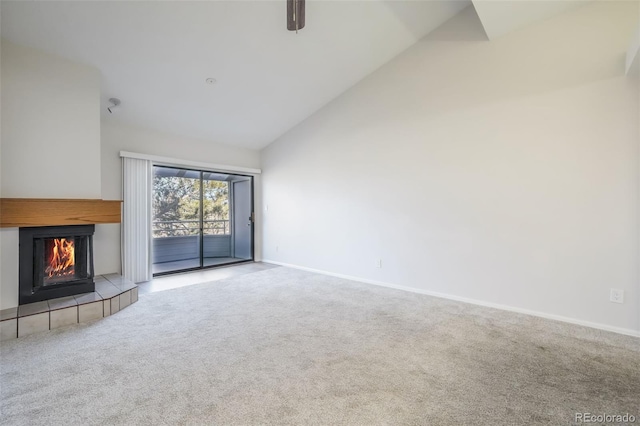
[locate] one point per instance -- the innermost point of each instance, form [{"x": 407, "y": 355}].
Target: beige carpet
[{"x": 288, "y": 347}]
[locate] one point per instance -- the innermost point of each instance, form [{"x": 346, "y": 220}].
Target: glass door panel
[
  {"x": 176, "y": 219},
  {"x": 216, "y": 249},
  {"x": 242, "y": 230}
]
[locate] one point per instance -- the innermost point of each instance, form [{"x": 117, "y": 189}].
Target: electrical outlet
[
  {"x": 379, "y": 264},
  {"x": 266, "y": 208},
  {"x": 277, "y": 248},
  {"x": 616, "y": 296}
]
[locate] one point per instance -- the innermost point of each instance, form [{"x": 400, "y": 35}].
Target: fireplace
[{"x": 55, "y": 261}]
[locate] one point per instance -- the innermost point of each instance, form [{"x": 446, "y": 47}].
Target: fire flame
[{"x": 62, "y": 258}]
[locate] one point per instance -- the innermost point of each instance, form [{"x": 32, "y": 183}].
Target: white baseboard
[{"x": 619, "y": 330}]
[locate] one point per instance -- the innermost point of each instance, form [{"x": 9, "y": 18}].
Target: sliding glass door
[{"x": 200, "y": 219}]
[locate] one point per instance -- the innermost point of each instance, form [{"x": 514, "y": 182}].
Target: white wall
[
  {"x": 50, "y": 138},
  {"x": 505, "y": 172},
  {"x": 51, "y": 126},
  {"x": 118, "y": 137}
]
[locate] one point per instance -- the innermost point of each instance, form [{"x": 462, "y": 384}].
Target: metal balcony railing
[{"x": 182, "y": 228}]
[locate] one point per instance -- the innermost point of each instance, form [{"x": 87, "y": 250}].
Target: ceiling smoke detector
[
  {"x": 114, "y": 103},
  {"x": 211, "y": 81}
]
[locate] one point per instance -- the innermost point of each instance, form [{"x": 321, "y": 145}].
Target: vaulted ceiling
[{"x": 156, "y": 56}]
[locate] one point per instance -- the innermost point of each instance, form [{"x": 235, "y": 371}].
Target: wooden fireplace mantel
[{"x": 25, "y": 212}]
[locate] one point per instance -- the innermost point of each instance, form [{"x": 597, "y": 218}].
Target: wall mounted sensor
[{"x": 114, "y": 103}]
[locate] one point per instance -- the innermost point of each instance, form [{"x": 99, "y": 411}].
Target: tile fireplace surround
[{"x": 113, "y": 293}]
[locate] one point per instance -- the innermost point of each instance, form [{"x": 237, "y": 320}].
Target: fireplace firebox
[{"x": 55, "y": 261}]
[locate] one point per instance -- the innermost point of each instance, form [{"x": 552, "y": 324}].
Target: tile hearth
[{"x": 113, "y": 293}]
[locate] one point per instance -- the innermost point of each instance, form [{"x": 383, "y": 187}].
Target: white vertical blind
[{"x": 136, "y": 238}]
